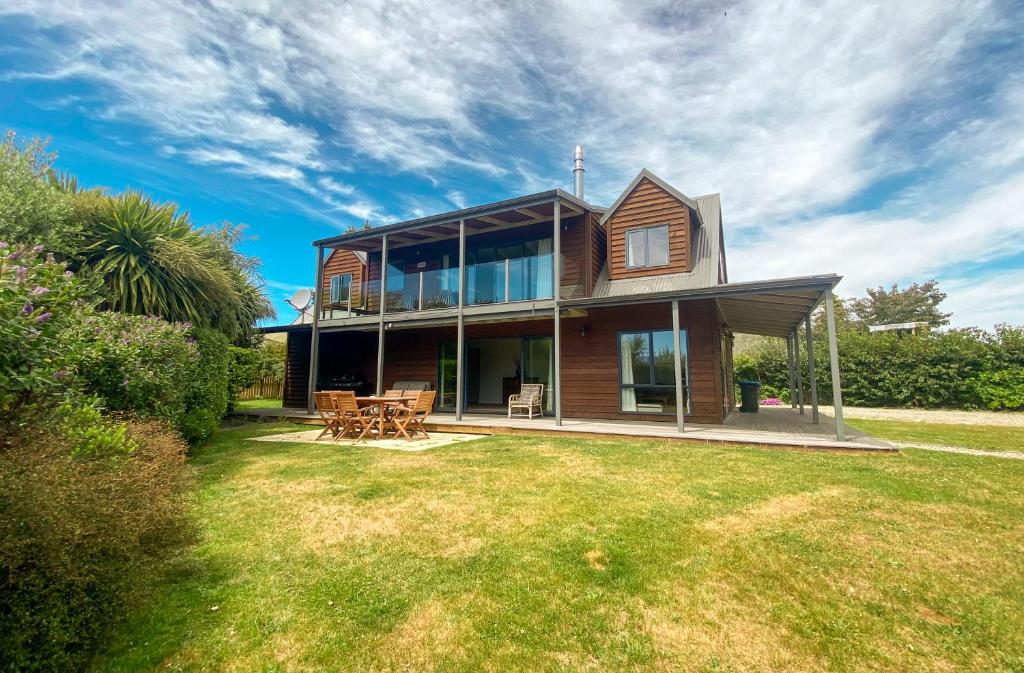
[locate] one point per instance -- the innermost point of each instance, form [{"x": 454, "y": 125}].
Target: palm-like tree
[{"x": 153, "y": 261}]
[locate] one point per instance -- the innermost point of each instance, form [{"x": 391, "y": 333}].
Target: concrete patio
[{"x": 781, "y": 427}]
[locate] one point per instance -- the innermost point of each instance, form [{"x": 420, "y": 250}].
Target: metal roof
[
  {"x": 455, "y": 215},
  {"x": 773, "y": 307}
]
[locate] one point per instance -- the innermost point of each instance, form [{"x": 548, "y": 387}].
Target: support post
[
  {"x": 678, "y": 367},
  {"x": 419, "y": 296},
  {"x": 799, "y": 374},
  {"x": 461, "y": 338},
  {"x": 314, "y": 337},
  {"x": 792, "y": 373},
  {"x": 383, "y": 303},
  {"x": 833, "y": 361},
  {"x": 557, "y": 280},
  {"x": 811, "y": 374}
]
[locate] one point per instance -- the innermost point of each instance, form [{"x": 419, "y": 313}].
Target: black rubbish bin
[{"x": 750, "y": 392}]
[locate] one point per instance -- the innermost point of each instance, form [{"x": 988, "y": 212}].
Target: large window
[
  {"x": 647, "y": 246},
  {"x": 341, "y": 285},
  {"x": 647, "y": 372}
]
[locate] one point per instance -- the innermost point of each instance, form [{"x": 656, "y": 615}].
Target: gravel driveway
[{"x": 1013, "y": 419}]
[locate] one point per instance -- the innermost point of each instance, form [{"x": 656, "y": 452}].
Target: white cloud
[
  {"x": 792, "y": 111},
  {"x": 457, "y": 198},
  {"x": 868, "y": 249}
]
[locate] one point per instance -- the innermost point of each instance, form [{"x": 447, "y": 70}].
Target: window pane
[
  {"x": 335, "y": 285},
  {"x": 664, "y": 355},
  {"x": 635, "y": 360},
  {"x": 657, "y": 246},
  {"x": 655, "y": 400},
  {"x": 635, "y": 247}
]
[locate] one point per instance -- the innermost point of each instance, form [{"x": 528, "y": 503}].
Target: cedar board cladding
[
  {"x": 590, "y": 367},
  {"x": 341, "y": 261},
  {"x": 599, "y": 251},
  {"x": 649, "y": 205},
  {"x": 590, "y": 371},
  {"x": 296, "y": 369}
]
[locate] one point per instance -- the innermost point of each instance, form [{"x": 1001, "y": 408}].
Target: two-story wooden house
[{"x": 623, "y": 312}]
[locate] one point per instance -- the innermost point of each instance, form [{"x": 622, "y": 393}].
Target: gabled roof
[
  {"x": 656, "y": 180},
  {"x": 707, "y": 250}
]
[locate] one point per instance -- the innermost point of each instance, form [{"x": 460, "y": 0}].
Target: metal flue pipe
[{"x": 577, "y": 172}]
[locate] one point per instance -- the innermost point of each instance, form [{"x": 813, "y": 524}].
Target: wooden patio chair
[
  {"x": 348, "y": 426},
  {"x": 411, "y": 417},
  {"x": 359, "y": 419},
  {"x": 530, "y": 397},
  {"x": 327, "y": 411}
]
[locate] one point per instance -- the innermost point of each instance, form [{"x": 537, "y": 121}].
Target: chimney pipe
[{"x": 577, "y": 172}]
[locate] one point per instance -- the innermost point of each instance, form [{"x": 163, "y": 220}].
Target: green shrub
[
  {"x": 135, "y": 363},
  {"x": 246, "y": 367},
  {"x": 1002, "y": 390},
  {"x": 206, "y": 400},
  {"x": 83, "y": 534},
  {"x": 961, "y": 368}
]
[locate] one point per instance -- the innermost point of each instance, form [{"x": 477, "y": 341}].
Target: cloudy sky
[{"x": 883, "y": 142}]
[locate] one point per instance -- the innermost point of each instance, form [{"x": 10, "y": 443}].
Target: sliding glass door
[{"x": 538, "y": 365}]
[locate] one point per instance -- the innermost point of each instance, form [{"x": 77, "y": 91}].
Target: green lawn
[
  {"x": 258, "y": 404},
  {"x": 526, "y": 553},
  {"x": 990, "y": 437}
]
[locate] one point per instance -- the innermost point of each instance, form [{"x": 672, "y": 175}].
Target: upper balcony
[{"x": 509, "y": 251}]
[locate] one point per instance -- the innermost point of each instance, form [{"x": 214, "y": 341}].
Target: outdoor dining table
[{"x": 382, "y": 403}]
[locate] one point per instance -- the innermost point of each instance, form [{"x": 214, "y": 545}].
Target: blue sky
[{"x": 883, "y": 142}]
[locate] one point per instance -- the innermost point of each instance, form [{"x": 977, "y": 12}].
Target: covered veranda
[{"x": 780, "y": 308}]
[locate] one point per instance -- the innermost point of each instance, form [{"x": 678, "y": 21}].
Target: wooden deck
[{"x": 781, "y": 427}]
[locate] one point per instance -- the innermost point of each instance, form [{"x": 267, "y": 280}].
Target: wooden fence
[{"x": 267, "y": 388}]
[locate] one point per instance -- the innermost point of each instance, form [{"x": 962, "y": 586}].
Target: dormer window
[
  {"x": 340, "y": 287},
  {"x": 647, "y": 247}
]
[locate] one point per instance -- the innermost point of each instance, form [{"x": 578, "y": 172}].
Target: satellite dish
[{"x": 301, "y": 300}]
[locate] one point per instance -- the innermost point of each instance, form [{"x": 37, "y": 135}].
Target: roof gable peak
[{"x": 644, "y": 173}]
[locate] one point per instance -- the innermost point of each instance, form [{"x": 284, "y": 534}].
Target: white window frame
[
  {"x": 631, "y": 263},
  {"x": 335, "y": 295}
]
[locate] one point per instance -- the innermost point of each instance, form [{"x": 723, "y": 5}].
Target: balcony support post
[
  {"x": 383, "y": 303},
  {"x": 419, "y": 305},
  {"x": 557, "y": 282},
  {"x": 314, "y": 337},
  {"x": 461, "y": 339},
  {"x": 678, "y": 369}
]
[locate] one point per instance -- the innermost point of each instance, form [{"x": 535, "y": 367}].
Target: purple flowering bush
[
  {"x": 39, "y": 300},
  {"x": 771, "y": 402},
  {"x": 135, "y": 363}
]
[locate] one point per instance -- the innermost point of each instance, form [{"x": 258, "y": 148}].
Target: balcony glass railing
[
  {"x": 522, "y": 278},
  {"x": 509, "y": 279},
  {"x": 422, "y": 290}
]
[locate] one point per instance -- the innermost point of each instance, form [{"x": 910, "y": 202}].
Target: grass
[
  {"x": 525, "y": 553},
  {"x": 989, "y": 437},
  {"x": 258, "y": 404}
]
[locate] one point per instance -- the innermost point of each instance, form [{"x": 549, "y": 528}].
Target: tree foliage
[
  {"x": 918, "y": 302},
  {"x": 149, "y": 257},
  {"x": 152, "y": 261},
  {"x": 32, "y": 211}
]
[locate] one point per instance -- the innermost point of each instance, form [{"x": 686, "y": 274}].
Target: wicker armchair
[{"x": 530, "y": 397}]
